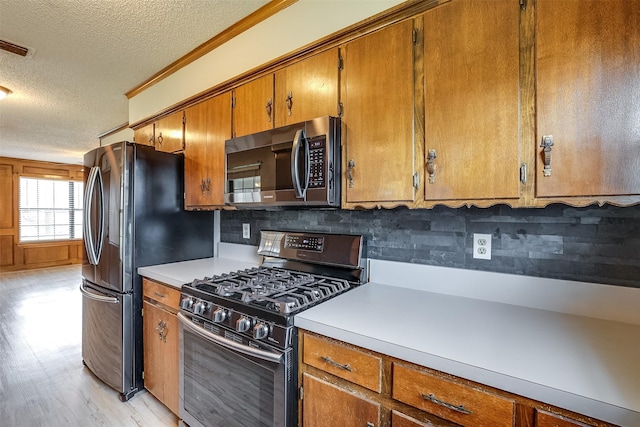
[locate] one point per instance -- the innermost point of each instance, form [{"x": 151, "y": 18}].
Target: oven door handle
[{"x": 227, "y": 343}]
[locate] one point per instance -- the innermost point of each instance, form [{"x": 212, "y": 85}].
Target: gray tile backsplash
[{"x": 591, "y": 244}]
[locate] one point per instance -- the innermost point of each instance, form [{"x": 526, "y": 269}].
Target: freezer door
[
  {"x": 105, "y": 205},
  {"x": 107, "y": 336}
]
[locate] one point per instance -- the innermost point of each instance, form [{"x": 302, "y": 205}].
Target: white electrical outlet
[
  {"x": 246, "y": 231},
  {"x": 482, "y": 246}
]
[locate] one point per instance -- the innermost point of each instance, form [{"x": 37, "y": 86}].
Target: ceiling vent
[{"x": 24, "y": 51}]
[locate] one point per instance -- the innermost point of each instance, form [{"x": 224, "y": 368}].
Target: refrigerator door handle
[
  {"x": 97, "y": 297},
  {"x": 95, "y": 178}
]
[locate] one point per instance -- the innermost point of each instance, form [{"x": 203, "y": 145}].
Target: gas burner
[{"x": 271, "y": 288}]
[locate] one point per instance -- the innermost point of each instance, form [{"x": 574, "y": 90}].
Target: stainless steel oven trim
[{"x": 227, "y": 343}]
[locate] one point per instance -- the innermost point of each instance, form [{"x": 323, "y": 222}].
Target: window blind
[{"x": 50, "y": 209}]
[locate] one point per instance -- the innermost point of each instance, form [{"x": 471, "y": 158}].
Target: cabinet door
[
  {"x": 153, "y": 350},
  {"x": 588, "y": 81},
  {"x": 195, "y": 155},
  {"x": 169, "y": 133},
  {"x": 323, "y": 401},
  {"x": 471, "y": 57},
  {"x": 307, "y": 89},
  {"x": 398, "y": 419},
  {"x": 253, "y": 106},
  {"x": 207, "y": 127},
  {"x": 378, "y": 116},
  {"x": 144, "y": 135},
  {"x": 546, "y": 419}
]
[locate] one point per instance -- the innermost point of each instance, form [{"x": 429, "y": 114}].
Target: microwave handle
[{"x": 298, "y": 140}]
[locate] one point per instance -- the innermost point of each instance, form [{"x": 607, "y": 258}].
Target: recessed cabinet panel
[
  {"x": 588, "y": 107},
  {"x": 169, "y": 133},
  {"x": 253, "y": 109},
  {"x": 378, "y": 131},
  {"x": 471, "y": 63},
  {"x": 207, "y": 127},
  {"x": 307, "y": 89},
  {"x": 326, "y": 404},
  {"x": 144, "y": 135}
]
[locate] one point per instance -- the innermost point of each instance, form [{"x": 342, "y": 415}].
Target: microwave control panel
[{"x": 318, "y": 155}]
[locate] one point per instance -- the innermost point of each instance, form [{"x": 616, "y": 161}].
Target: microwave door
[{"x": 300, "y": 164}]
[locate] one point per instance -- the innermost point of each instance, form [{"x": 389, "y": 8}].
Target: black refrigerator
[{"x": 133, "y": 217}]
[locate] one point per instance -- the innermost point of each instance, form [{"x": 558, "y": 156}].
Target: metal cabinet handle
[
  {"x": 458, "y": 408},
  {"x": 162, "y": 330},
  {"x": 208, "y": 186},
  {"x": 431, "y": 166},
  {"x": 370, "y": 424},
  {"x": 350, "y": 166},
  {"x": 160, "y": 139},
  {"x": 289, "y": 102},
  {"x": 269, "y": 108},
  {"x": 547, "y": 143},
  {"x": 158, "y": 294},
  {"x": 332, "y": 362},
  {"x": 202, "y": 186}
]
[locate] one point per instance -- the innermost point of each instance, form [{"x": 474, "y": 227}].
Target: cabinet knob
[
  {"x": 547, "y": 143},
  {"x": 431, "y": 166},
  {"x": 350, "y": 166},
  {"x": 269, "y": 108},
  {"x": 289, "y": 102}
]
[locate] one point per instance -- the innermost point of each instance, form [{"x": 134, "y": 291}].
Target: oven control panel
[
  {"x": 304, "y": 242},
  {"x": 233, "y": 325}
]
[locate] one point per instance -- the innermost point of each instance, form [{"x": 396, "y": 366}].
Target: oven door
[{"x": 227, "y": 383}]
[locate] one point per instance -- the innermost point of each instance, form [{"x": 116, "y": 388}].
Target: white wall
[
  {"x": 298, "y": 25},
  {"x": 122, "y": 135}
]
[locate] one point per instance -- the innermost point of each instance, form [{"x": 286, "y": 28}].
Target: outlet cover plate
[
  {"x": 246, "y": 231},
  {"x": 482, "y": 246}
]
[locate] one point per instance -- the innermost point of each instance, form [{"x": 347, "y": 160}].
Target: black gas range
[{"x": 249, "y": 314}]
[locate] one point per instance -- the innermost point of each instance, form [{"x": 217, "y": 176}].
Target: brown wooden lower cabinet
[
  {"x": 160, "y": 340},
  {"x": 546, "y": 419},
  {"x": 398, "y": 419},
  {"x": 334, "y": 392},
  {"x": 326, "y": 404}
]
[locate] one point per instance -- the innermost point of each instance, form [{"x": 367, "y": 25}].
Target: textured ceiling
[{"x": 88, "y": 53}]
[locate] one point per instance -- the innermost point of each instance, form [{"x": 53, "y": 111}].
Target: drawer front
[
  {"x": 352, "y": 365},
  {"x": 546, "y": 419},
  {"x": 398, "y": 419},
  {"x": 162, "y": 293},
  {"x": 454, "y": 402}
]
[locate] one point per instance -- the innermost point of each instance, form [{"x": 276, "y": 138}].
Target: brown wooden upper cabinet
[
  {"x": 169, "y": 133},
  {"x": 207, "y": 127},
  {"x": 253, "y": 109},
  {"x": 378, "y": 132},
  {"x": 307, "y": 89},
  {"x": 144, "y": 134},
  {"x": 588, "y": 102},
  {"x": 166, "y": 133},
  {"x": 471, "y": 74}
]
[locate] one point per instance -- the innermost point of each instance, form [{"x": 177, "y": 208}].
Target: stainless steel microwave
[{"x": 295, "y": 165}]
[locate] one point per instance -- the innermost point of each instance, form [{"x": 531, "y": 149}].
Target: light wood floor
[{"x": 42, "y": 379}]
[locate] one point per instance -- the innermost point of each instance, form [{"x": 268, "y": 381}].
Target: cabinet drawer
[
  {"x": 352, "y": 365},
  {"x": 546, "y": 419},
  {"x": 398, "y": 419},
  {"x": 161, "y": 293},
  {"x": 454, "y": 402}
]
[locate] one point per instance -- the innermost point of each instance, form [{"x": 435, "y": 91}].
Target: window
[{"x": 50, "y": 209}]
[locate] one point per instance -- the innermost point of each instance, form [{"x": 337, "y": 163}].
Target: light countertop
[
  {"x": 581, "y": 363},
  {"x": 232, "y": 258}
]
